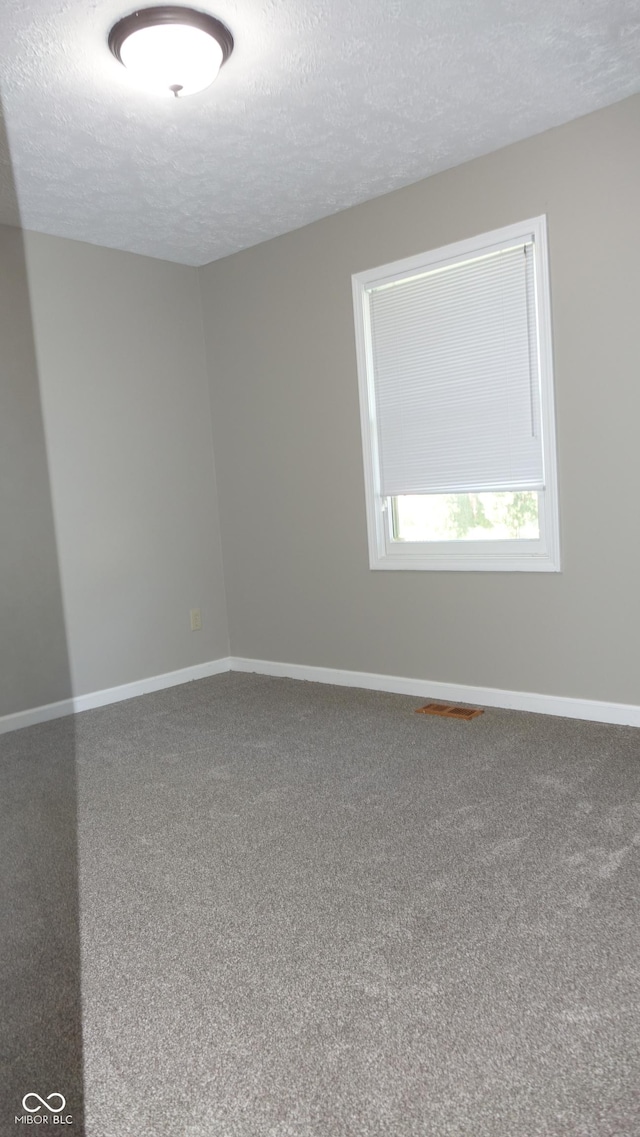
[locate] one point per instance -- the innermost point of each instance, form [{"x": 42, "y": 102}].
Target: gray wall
[
  {"x": 126, "y": 411},
  {"x": 34, "y": 667},
  {"x": 279, "y": 324}
]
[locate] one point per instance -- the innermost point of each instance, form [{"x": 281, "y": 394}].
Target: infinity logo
[{"x": 35, "y": 1108}]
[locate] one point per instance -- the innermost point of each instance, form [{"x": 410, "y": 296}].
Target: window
[{"x": 456, "y": 399}]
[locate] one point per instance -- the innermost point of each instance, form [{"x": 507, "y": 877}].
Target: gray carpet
[
  {"x": 305, "y": 910},
  {"x": 40, "y": 1002}
]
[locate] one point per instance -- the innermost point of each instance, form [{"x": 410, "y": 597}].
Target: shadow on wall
[{"x": 40, "y": 1010}]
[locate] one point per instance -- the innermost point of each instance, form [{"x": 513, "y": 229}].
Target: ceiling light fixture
[{"x": 171, "y": 50}]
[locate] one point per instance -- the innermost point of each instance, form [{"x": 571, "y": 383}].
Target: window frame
[{"x": 518, "y": 555}]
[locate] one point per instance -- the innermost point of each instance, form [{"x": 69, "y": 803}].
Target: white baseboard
[
  {"x": 78, "y": 703},
  {"x": 621, "y": 714}
]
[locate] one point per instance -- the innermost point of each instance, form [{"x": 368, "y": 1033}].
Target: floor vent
[{"x": 450, "y": 712}]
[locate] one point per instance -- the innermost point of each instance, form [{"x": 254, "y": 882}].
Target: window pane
[{"x": 466, "y": 517}]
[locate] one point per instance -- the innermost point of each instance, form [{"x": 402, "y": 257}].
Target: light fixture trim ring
[{"x": 169, "y": 14}]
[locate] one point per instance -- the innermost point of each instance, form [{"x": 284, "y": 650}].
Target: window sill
[{"x": 464, "y": 562}]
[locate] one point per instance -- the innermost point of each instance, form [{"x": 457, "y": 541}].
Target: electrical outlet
[{"x": 196, "y": 620}]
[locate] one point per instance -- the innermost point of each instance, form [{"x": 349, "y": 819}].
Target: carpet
[{"x": 298, "y": 910}]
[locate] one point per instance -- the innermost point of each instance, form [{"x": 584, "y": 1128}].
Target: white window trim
[{"x": 481, "y": 556}]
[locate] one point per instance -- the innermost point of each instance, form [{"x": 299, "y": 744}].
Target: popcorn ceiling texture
[{"x": 321, "y": 106}]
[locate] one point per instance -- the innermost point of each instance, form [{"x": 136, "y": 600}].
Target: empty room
[{"x": 319, "y": 547}]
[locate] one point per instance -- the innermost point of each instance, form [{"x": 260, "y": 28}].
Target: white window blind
[{"x": 456, "y": 376}]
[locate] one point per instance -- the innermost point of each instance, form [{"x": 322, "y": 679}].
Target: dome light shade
[{"x": 171, "y": 50}]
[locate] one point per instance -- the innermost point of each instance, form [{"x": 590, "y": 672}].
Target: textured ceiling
[{"x": 321, "y": 105}]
